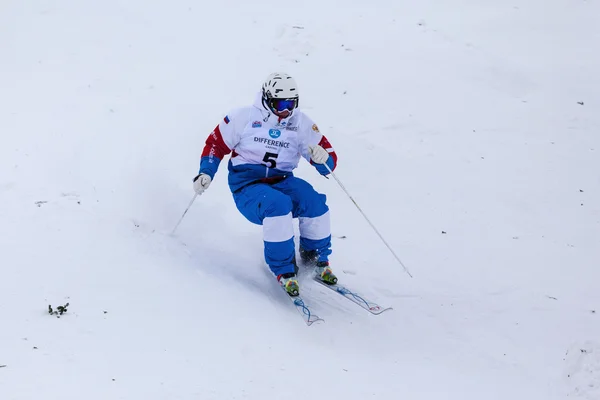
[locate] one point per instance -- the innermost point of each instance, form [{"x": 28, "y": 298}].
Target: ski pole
[
  {"x": 185, "y": 212},
  {"x": 370, "y": 223}
]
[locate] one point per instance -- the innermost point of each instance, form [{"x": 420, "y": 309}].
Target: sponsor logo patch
[
  {"x": 226, "y": 119},
  {"x": 272, "y": 144},
  {"x": 274, "y": 133},
  {"x": 257, "y": 124}
]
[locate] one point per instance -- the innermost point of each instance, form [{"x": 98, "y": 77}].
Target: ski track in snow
[{"x": 467, "y": 131}]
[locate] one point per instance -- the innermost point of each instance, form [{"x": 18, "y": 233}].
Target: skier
[{"x": 266, "y": 141}]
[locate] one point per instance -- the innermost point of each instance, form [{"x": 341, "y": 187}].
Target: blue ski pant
[{"x": 274, "y": 206}]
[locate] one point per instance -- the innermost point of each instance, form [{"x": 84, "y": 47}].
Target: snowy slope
[{"x": 460, "y": 133}]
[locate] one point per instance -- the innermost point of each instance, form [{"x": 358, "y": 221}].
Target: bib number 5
[{"x": 270, "y": 160}]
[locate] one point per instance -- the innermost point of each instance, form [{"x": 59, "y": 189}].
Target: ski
[
  {"x": 354, "y": 297},
  {"x": 307, "y": 315}
]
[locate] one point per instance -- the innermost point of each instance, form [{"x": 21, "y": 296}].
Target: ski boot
[
  {"x": 289, "y": 282},
  {"x": 324, "y": 273},
  {"x": 308, "y": 256}
]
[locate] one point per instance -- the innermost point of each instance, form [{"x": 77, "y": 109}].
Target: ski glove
[
  {"x": 201, "y": 183},
  {"x": 319, "y": 155}
]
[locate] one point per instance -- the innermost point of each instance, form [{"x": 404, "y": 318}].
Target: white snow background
[{"x": 468, "y": 132}]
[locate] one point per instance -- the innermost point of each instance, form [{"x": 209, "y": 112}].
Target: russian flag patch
[{"x": 226, "y": 119}]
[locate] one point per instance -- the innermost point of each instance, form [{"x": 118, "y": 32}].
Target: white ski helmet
[{"x": 280, "y": 94}]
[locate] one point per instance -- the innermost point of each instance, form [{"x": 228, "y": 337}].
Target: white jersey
[{"x": 261, "y": 145}]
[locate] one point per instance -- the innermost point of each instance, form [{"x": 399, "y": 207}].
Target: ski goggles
[{"x": 284, "y": 104}]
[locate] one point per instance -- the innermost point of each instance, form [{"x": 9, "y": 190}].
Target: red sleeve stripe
[
  {"x": 324, "y": 143},
  {"x": 215, "y": 146}
]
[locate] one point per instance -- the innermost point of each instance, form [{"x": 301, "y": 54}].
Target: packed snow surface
[{"x": 467, "y": 131}]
